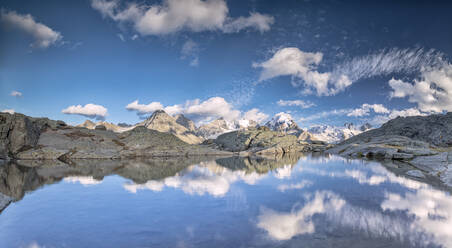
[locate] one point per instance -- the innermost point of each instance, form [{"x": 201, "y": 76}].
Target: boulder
[
  {"x": 261, "y": 141},
  {"x": 100, "y": 127}
]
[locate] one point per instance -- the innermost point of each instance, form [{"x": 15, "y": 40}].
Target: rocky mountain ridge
[{"x": 27, "y": 138}]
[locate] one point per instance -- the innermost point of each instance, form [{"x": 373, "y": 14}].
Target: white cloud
[
  {"x": 255, "y": 20},
  {"x": 405, "y": 112},
  {"x": 212, "y": 108},
  {"x": 16, "y": 93},
  {"x": 299, "y": 103},
  {"x": 291, "y": 61},
  {"x": 200, "y": 111},
  {"x": 255, "y": 115},
  {"x": 172, "y": 16},
  {"x": 365, "y": 110},
  {"x": 144, "y": 108},
  {"x": 89, "y": 110},
  {"x": 10, "y": 111},
  {"x": 380, "y": 119},
  {"x": 302, "y": 67},
  {"x": 190, "y": 51},
  {"x": 387, "y": 62},
  {"x": 432, "y": 92},
  {"x": 44, "y": 36}
]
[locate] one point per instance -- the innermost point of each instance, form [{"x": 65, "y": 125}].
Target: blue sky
[{"x": 324, "y": 62}]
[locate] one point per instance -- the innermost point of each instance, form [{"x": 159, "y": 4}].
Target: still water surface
[{"x": 306, "y": 201}]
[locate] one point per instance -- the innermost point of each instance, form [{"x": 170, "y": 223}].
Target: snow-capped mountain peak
[
  {"x": 333, "y": 134},
  {"x": 282, "y": 122}
]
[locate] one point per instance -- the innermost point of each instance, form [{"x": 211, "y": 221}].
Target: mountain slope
[
  {"x": 109, "y": 126},
  {"x": 220, "y": 126},
  {"x": 185, "y": 122},
  {"x": 162, "y": 122}
]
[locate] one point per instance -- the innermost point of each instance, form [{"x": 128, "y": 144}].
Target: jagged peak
[
  {"x": 159, "y": 111},
  {"x": 88, "y": 122}
]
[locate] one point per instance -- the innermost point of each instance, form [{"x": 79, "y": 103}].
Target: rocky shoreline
[
  {"x": 27, "y": 138},
  {"x": 422, "y": 142}
]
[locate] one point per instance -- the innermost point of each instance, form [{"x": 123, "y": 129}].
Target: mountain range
[{"x": 185, "y": 129}]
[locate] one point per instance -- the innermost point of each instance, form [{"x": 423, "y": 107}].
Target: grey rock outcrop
[
  {"x": 433, "y": 129},
  {"x": 19, "y": 132},
  {"x": 69, "y": 144},
  {"x": 424, "y": 142},
  {"x": 262, "y": 141}
]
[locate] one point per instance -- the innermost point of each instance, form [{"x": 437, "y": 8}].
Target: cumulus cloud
[
  {"x": 293, "y": 62},
  {"x": 303, "y": 67},
  {"x": 299, "y": 103},
  {"x": 89, "y": 110},
  {"x": 16, "y": 93},
  {"x": 432, "y": 92},
  {"x": 144, "y": 108},
  {"x": 199, "y": 111},
  {"x": 9, "y": 111},
  {"x": 255, "y": 115},
  {"x": 172, "y": 16},
  {"x": 380, "y": 119},
  {"x": 43, "y": 35},
  {"x": 365, "y": 110}
]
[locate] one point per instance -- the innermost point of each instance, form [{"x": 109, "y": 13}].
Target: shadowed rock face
[
  {"x": 19, "y": 132},
  {"x": 185, "y": 122}
]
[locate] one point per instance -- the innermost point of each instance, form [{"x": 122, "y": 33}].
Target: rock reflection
[
  {"x": 215, "y": 177},
  {"x": 21, "y": 177},
  {"x": 193, "y": 175}
]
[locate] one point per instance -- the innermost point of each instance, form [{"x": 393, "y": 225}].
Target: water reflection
[
  {"x": 205, "y": 178},
  {"x": 252, "y": 202},
  {"x": 421, "y": 216},
  {"x": 284, "y": 226}
]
